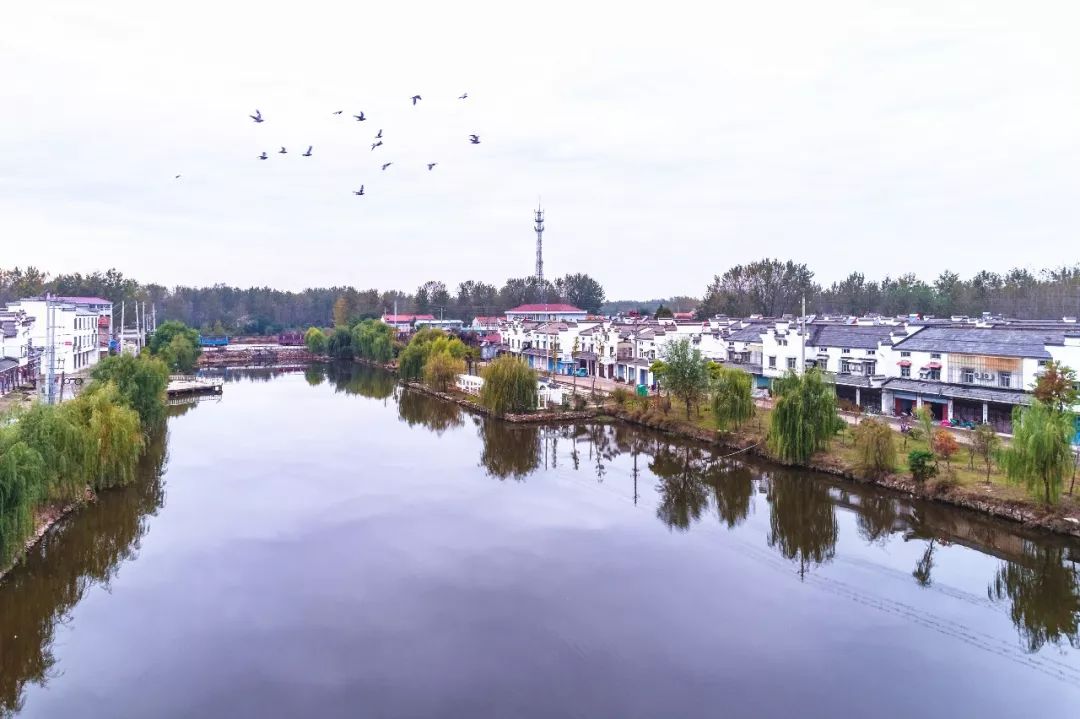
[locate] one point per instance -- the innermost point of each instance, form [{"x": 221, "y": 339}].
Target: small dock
[{"x": 184, "y": 385}]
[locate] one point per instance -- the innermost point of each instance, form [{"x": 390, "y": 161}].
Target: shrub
[
  {"x": 875, "y": 447},
  {"x": 579, "y": 402},
  {"x": 509, "y": 385},
  {"x": 921, "y": 464},
  {"x": 945, "y": 446},
  {"x": 620, "y": 395}
]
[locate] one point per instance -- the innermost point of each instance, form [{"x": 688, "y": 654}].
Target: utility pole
[
  {"x": 123, "y": 324},
  {"x": 50, "y": 341},
  {"x": 540, "y": 253},
  {"x": 802, "y": 344}
]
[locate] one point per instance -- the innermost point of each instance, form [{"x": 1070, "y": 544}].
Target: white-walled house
[
  {"x": 18, "y": 359},
  {"x": 973, "y": 373},
  {"x": 76, "y": 333}
]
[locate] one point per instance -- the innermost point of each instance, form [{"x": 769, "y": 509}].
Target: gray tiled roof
[
  {"x": 747, "y": 334},
  {"x": 960, "y": 391},
  {"x": 7, "y": 364},
  {"x": 842, "y": 336},
  {"x": 993, "y": 341}
]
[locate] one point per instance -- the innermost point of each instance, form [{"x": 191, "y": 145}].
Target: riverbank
[
  {"x": 994, "y": 499},
  {"x": 46, "y": 518}
]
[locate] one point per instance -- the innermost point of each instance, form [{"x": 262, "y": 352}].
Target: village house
[
  {"x": 546, "y": 313},
  {"x": 76, "y": 331},
  {"x": 404, "y": 323}
]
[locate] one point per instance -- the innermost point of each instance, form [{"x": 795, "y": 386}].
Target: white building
[{"x": 76, "y": 333}]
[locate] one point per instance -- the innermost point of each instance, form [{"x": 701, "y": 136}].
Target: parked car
[{"x": 581, "y": 372}]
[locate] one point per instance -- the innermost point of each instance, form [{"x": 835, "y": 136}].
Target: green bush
[
  {"x": 620, "y": 395},
  {"x": 921, "y": 464},
  {"x": 876, "y": 448}
]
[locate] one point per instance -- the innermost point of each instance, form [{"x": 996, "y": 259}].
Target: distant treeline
[
  {"x": 260, "y": 310},
  {"x": 772, "y": 288},
  {"x": 767, "y": 287}
]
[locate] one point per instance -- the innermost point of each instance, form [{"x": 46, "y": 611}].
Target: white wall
[{"x": 76, "y": 334}]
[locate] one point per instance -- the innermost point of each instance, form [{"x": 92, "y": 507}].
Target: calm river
[{"x": 324, "y": 544}]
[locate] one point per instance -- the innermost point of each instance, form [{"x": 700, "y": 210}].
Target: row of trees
[
  {"x": 773, "y": 287},
  {"x": 51, "y": 453},
  {"x": 367, "y": 339},
  {"x": 221, "y": 309}
]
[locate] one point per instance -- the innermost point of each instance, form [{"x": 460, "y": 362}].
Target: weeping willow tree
[
  {"x": 732, "y": 398},
  {"x": 63, "y": 444},
  {"x": 22, "y": 482},
  {"x": 141, "y": 382},
  {"x": 804, "y": 417},
  {"x": 1040, "y": 456},
  {"x": 509, "y": 386},
  {"x": 114, "y": 433}
]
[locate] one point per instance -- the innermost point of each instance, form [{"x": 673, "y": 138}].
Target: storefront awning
[
  {"x": 933, "y": 365},
  {"x": 904, "y": 363}
]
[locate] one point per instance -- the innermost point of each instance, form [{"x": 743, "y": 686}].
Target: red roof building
[{"x": 546, "y": 312}]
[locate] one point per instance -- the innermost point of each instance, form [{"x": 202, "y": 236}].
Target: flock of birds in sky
[{"x": 258, "y": 118}]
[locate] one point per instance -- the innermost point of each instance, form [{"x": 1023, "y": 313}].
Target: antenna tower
[{"x": 540, "y": 253}]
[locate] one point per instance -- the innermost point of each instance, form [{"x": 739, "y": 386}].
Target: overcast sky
[{"x": 668, "y": 140}]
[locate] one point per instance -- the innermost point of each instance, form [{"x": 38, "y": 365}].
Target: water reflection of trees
[
  {"x": 437, "y": 415},
  {"x": 802, "y": 522},
  {"x": 683, "y": 494},
  {"x": 1044, "y": 589},
  {"x": 509, "y": 451},
  {"x": 82, "y": 552},
  {"x": 360, "y": 379}
]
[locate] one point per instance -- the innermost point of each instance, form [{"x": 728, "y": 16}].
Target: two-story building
[
  {"x": 971, "y": 373},
  {"x": 75, "y": 329}
]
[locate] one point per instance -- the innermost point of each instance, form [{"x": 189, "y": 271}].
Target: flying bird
[
  {"x": 386, "y": 165},
  {"x": 177, "y": 177},
  {"x": 263, "y": 156},
  {"x": 431, "y": 166},
  {"x": 474, "y": 139},
  {"x": 282, "y": 151},
  {"x": 415, "y": 98},
  {"x": 257, "y": 117},
  {"x": 308, "y": 153},
  {"x": 360, "y": 117},
  {"x": 338, "y": 112},
  {"x": 360, "y": 191},
  {"x": 463, "y": 96},
  {"x": 379, "y": 135},
  {"x": 375, "y": 144}
]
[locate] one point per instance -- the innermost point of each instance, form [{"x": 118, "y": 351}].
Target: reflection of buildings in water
[{"x": 82, "y": 552}]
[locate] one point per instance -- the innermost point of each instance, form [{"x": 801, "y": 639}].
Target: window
[
  {"x": 934, "y": 374},
  {"x": 1042, "y": 363},
  {"x": 1004, "y": 379},
  {"x": 845, "y": 367},
  {"x": 846, "y": 350},
  {"x": 905, "y": 371},
  {"x": 823, "y": 364},
  {"x": 967, "y": 375},
  {"x": 791, "y": 363},
  {"x": 772, "y": 362},
  {"x": 905, "y": 354},
  {"x": 870, "y": 352},
  {"x": 935, "y": 355}
]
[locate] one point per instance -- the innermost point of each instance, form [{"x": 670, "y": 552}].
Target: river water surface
[{"x": 324, "y": 544}]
